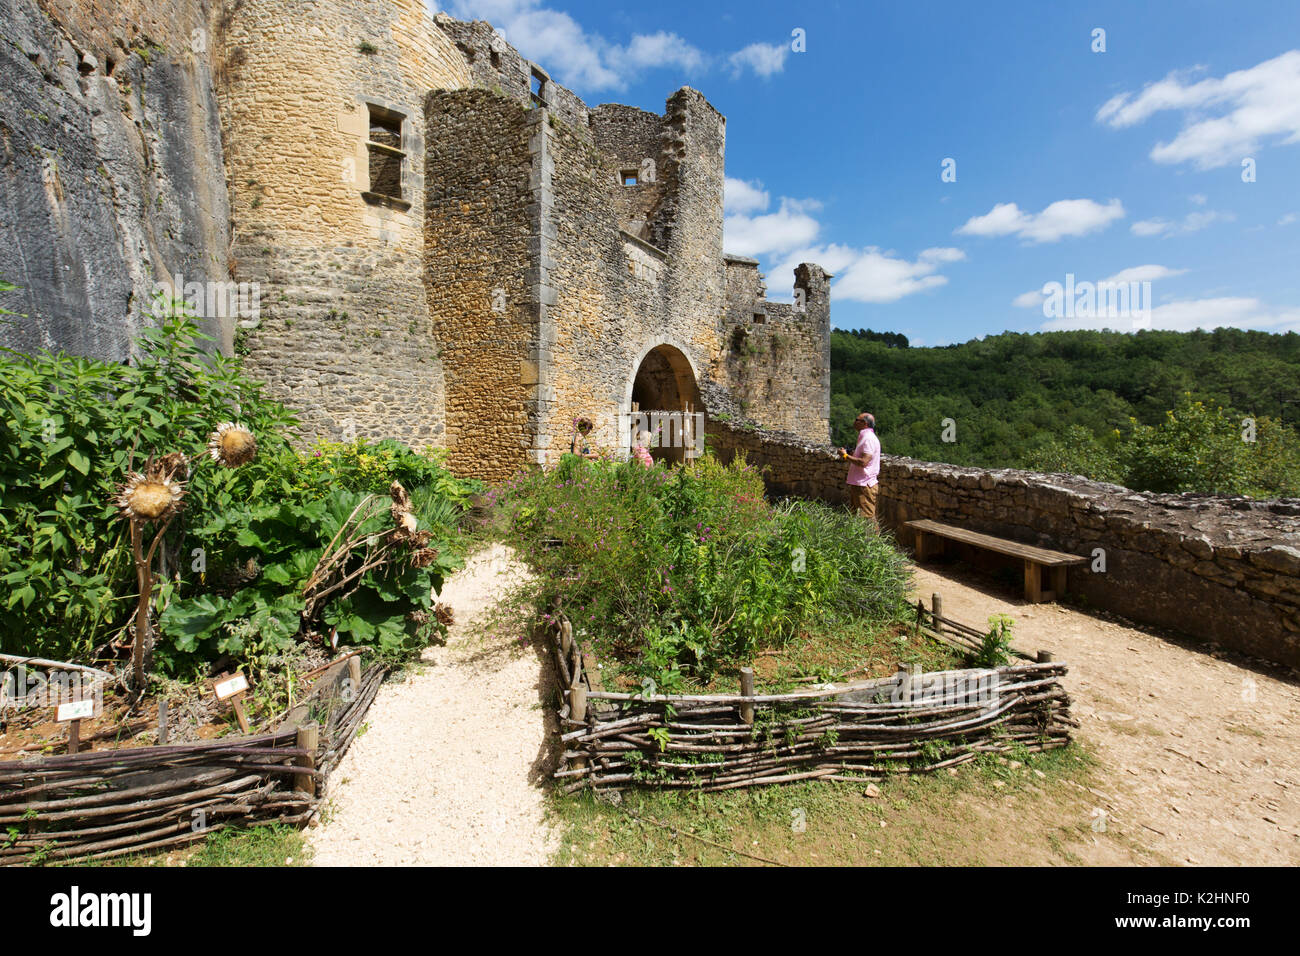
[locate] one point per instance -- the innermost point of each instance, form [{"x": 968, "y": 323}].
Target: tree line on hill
[{"x": 1154, "y": 410}]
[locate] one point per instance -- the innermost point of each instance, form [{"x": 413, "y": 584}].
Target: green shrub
[
  {"x": 681, "y": 572},
  {"x": 236, "y": 559}
]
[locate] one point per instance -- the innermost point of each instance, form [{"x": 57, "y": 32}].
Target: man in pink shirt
[{"x": 864, "y": 467}]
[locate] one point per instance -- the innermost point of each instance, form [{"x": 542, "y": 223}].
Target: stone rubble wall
[
  {"x": 1218, "y": 569},
  {"x": 478, "y": 221},
  {"x": 776, "y": 360}
]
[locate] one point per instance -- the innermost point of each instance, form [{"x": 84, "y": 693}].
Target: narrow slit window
[
  {"x": 387, "y": 158},
  {"x": 537, "y": 87}
]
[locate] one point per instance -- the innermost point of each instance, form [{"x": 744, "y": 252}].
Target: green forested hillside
[{"x": 1164, "y": 411}]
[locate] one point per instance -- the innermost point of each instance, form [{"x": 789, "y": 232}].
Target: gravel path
[
  {"x": 446, "y": 771},
  {"x": 1200, "y": 753}
]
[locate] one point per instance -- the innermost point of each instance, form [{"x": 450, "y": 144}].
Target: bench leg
[
  {"x": 1033, "y": 582},
  {"x": 1058, "y": 583}
]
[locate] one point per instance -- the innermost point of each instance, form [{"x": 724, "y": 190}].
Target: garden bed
[
  {"x": 911, "y": 722},
  {"x": 114, "y": 802}
]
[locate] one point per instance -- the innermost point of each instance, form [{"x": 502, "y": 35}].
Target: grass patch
[
  {"x": 1021, "y": 809},
  {"x": 275, "y": 844}
]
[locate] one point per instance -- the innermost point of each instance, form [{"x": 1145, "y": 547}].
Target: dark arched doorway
[{"x": 666, "y": 398}]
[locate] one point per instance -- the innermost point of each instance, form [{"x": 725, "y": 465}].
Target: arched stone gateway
[{"x": 664, "y": 399}]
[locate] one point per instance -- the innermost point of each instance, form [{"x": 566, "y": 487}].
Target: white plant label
[
  {"x": 229, "y": 688},
  {"x": 76, "y": 710}
]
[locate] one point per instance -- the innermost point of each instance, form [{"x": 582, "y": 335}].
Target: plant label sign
[
  {"x": 230, "y": 687},
  {"x": 76, "y": 710}
]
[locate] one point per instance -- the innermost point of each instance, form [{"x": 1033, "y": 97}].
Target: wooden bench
[{"x": 931, "y": 534}]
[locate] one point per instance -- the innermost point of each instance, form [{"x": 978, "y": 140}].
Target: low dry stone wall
[{"x": 1219, "y": 569}]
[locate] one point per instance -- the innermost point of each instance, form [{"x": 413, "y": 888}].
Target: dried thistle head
[
  {"x": 444, "y": 613},
  {"x": 175, "y": 464},
  {"x": 153, "y": 495},
  {"x": 401, "y": 499},
  {"x": 424, "y": 557},
  {"x": 232, "y": 445}
]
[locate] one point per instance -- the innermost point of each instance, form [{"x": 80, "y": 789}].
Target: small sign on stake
[
  {"x": 232, "y": 688},
  {"x": 72, "y": 714}
]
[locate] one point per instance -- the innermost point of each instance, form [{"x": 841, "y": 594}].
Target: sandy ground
[
  {"x": 446, "y": 772},
  {"x": 1200, "y": 752}
]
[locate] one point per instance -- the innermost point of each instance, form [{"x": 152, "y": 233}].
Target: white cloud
[
  {"x": 663, "y": 49},
  {"x": 579, "y": 58},
  {"x": 1063, "y": 218},
  {"x": 1192, "y": 222},
  {"x": 587, "y": 61},
  {"x": 1147, "y": 273},
  {"x": 861, "y": 274},
  {"x": 1287, "y": 219},
  {"x": 763, "y": 58},
  {"x": 1198, "y": 199},
  {"x": 777, "y": 232},
  {"x": 1189, "y": 314},
  {"x": 1224, "y": 119},
  {"x": 869, "y": 274},
  {"x": 743, "y": 196}
]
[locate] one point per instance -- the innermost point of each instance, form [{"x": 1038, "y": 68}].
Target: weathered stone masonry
[
  {"x": 448, "y": 247},
  {"x": 1219, "y": 569}
]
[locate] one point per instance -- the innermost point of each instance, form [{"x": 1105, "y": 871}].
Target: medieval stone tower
[{"x": 450, "y": 248}]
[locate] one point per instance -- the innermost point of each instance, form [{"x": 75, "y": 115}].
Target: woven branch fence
[
  {"x": 108, "y": 803},
  {"x": 912, "y": 722}
]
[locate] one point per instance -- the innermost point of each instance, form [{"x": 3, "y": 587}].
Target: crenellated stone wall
[{"x": 1219, "y": 569}]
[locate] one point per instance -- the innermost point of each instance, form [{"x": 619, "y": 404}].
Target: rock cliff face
[
  {"x": 1219, "y": 569},
  {"x": 113, "y": 178}
]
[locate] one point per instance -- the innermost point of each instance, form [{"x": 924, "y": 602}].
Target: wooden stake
[
  {"x": 1044, "y": 657},
  {"x": 747, "y": 689},
  {"x": 936, "y": 602},
  {"x": 307, "y": 739},
  {"x": 162, "y": 720},
  {"x": 354, "y": 675},
  {"x": 74, "y": 736}
]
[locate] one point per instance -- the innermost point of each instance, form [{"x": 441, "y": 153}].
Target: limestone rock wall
[
  {"x": 345, "y": 335},
  {"x": 112, "y": 178},
  {"x": 1218, "y": 569}
]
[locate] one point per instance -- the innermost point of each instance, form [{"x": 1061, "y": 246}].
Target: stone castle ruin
[
  {"x": 447, "y": 246},
  {"x": 410, "y": 230}
]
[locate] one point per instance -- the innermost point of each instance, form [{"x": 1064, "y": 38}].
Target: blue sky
[{"x": 1124, "y": 164}]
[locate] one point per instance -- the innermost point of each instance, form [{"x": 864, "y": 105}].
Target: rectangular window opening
[
  {"x": 387, "y": 158},
  {"x": 537, "y": 87},
  {"x": 628, "y": 177},
  {"x": 759, "y": 318}
]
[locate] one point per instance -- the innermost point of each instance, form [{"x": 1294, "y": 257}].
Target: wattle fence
[
  {"x": 912, "y": 722},
  {"x": 109, "y": 803}
]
